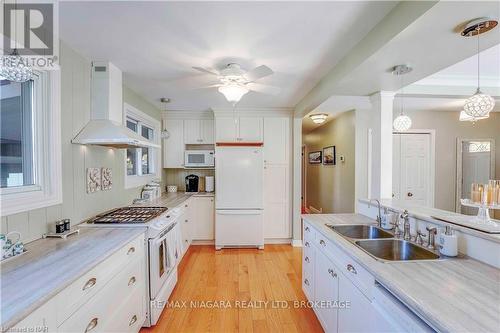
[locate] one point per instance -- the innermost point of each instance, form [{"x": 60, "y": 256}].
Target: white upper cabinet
[
  {"x": 250, "y": 129},
  {"x": 198, "y": 131},
  {"x": 173, "y": 146},
  {"x": 225, "y": 129},
  {"x": 240, "y": 129},
  {"x": 276, "y": 140}
]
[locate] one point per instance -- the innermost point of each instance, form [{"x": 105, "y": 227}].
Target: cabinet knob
[
  {"x": 306, "y": 244},
  {"x": 133, "y": 320},
  {"x": 306, "y": 259},
  {"x": 351, "y": 269},
  {"x": 306, "y": 281},
  {"x": 90, "y": 283},
  {"x": 91, "y": 325},
  {"x": 306, "y": 229},
  {"x": 131, "y": 250},
  {"x": 332, "y": 273},
  {"x": 185, "y": 220},
  {"x": 132, "y": 281},
  {"x": 322, "y": 242},
  {"x": 410, "y": 194}
]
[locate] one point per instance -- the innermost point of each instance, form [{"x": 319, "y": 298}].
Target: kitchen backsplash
[{"x": 176, "y": 176}]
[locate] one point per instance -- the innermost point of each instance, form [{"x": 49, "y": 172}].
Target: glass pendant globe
[
  {"x": 402, "y": 123},
  {"x": 233, "y": 92},
  {"x": 465, "y": 117},
  {"x": 15, "y": 68},
  {"x": 479, "y": 105}
]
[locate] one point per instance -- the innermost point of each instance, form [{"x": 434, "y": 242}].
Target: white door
[
  {"x": 276, "y": 220},
  {"x": 207, "y": 131},
  {"x": 173, "y": 154},
  {"x": 225, "y": 129},
  {"x": 250, "y": 129},
  {"x": 192, "y": 131},
  {"x": 276, "y": 139},
  {"x": 412, "y": 168},
  {"x": 203, "y": 225},
  {"x": 326, "y": 289},
  {"x": 238, "y": 177}
]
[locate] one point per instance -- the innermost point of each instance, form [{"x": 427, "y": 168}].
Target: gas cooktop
[{"x": 126, "y": 215}]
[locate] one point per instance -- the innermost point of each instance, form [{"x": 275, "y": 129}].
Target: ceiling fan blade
[
  {"x": 258, "y": 72},
  {"x": 212, "y": 86},
  {"x": 207, "y": 70},
  {"x": 262, "y": 88}
]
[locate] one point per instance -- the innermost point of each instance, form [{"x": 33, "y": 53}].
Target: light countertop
[
  {"x": 50, "y": 265},
  {"x": 452, "y": 295},
  {"x": 172, "y": 200}
]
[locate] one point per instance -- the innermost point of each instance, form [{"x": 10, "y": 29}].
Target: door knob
[{"x": 410, "y": 194}]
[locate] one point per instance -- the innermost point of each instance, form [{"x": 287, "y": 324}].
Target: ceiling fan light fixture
[
  {"x": 318, "y": 118},
  {"x": 233, "y": 92}
]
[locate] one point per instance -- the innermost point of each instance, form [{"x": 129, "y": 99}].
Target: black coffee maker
[{"x": 192, "y": 183}]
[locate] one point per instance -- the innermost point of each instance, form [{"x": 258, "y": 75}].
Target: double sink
[{"x": 381, "y": 244}]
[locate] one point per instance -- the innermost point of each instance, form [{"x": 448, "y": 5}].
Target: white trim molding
[{"x": 47, "y": 190}]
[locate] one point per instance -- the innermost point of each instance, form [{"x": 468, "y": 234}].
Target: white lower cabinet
[
  {"x": 330, "y": 275},
  {"x": 185, "y": 221},
  {"x": 203, "y": 218},
  {"x": 326, "y": 291}
]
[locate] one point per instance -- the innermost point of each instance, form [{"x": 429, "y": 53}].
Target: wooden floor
[{"x": 238, "y": 276}]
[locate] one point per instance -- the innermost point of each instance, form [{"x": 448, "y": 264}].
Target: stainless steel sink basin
[
  {"x": 395, "y": 250},
  {"x": 361, "y": 231}
]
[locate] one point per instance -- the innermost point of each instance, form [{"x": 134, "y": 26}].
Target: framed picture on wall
[
  {"x": 329, "y": 157},
  {"x": 315, "y": 157}
]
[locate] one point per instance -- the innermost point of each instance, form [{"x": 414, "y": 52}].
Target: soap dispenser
[{"x": 448, "y": 242}]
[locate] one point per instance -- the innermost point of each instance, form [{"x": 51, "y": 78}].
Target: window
[
  {"x": 142, "y": 164},
  {"x": 16, "y": 134},
  {"x": 30, "y": 143}
]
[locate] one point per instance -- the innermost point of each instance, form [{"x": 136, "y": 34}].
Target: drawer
[
  {"x": 94, "y": 315},
  {"x": 80, "y": 291},
  {"x": 130, "y": 316},
  {"x": 350, "y": 268},
  {"x": 309, "y": 234}
]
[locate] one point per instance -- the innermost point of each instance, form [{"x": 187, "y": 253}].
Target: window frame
[
  {"x": 139, "y": 179},
  {"x": 47, "y": 190}
]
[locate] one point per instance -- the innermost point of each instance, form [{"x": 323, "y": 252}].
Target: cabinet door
[
  {"x": 192, "y": 131},
  {"x": 225, "y": 129},
  {"x": 250, "y": 129},
  {"x": 326, "y": 290},
  {"x": 276, "y": 212},
  {"x": 207, "y": 131},
  {"x": 173, "y": 154},
  {"x": 276, "y": 140},
  {"x": 42, "y": 318},
  {"x": 204, "y": 218},
  {"x": 360, "y": 307}
]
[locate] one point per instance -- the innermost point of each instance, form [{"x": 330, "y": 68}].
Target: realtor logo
[{"x": 28, "y": 28}]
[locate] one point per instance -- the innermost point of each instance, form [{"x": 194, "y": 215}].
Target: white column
[
  {"x": 381, "y": 116},
  {"x": 297, "y": 182}
]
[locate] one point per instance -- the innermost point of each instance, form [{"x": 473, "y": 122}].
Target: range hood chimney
[{"x": 106, "y": 125}]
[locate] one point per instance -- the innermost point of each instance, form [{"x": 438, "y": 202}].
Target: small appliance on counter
[
  {"x": 448, "y": 242},
  {"x": 209, "y": 183},
  {"x": 192, "y": 183}
]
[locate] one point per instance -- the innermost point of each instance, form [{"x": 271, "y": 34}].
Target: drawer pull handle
[
  {"x": 322, "y": 242},
  {"x": 131, "y": 250},
  {"x": 306, "y": 259},
  {"x": 332, "y": 273},
  {"x": 90, "y": 283},
  {"x": 131, "y": 281},
  {"x": 307, "y": 244},
  {"x": 351, "y": 269},
  {"x": 185, "y": 206},
  {"x": 307, "y": 229},
  {"x": 91, "y": 325},
  {"x": 132, "y": 321},
  {"x": 306, "y": 281},
  {"x": 185, "y": 220}
]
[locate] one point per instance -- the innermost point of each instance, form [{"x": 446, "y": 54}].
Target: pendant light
[
  {"x": 402, "y": 122},
  {"x": 479, "y": 105},
  {"x": 465, "y": 117},
  {"x": 164, "y": 133},
  {"x": 14, "y": 67}
]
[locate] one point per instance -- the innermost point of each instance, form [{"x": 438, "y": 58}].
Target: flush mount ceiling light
[
  {"x": 402, "y": 122},
  {"x": 318, "y": 118},
  {"x": 479, "y": 105},
  {"x": 233, "y": 92},
  {"x": 465, "y": 117}
]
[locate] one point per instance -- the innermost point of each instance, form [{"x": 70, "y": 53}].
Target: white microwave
[{"x": 199, "y": 158}]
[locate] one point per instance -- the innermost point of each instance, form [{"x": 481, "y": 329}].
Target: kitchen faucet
[
  {"x": 379, "y": 217},
  {"x": 406, "y": 226}
]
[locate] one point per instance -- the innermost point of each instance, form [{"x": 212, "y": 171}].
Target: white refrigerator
[{"x": 238, "y": 197}]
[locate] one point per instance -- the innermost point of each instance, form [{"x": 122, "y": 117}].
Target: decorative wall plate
[
  {"x": 106, "y": 179},
  {"x": 93, "y": 180}
]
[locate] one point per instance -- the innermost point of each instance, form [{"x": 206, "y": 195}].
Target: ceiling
[{"x": 156, "y": 44}]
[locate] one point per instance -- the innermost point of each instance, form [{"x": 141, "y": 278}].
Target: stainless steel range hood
[{"x": 105, "y": 127}]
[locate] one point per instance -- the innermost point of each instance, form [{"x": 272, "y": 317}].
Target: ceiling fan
[{"x": 236, "y": 82}]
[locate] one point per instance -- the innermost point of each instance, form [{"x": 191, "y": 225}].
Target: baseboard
[
  {"x": 203, "y": 242},
  {"x": 277, "y": 241},
  {"x": 297, "y": 242}
]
